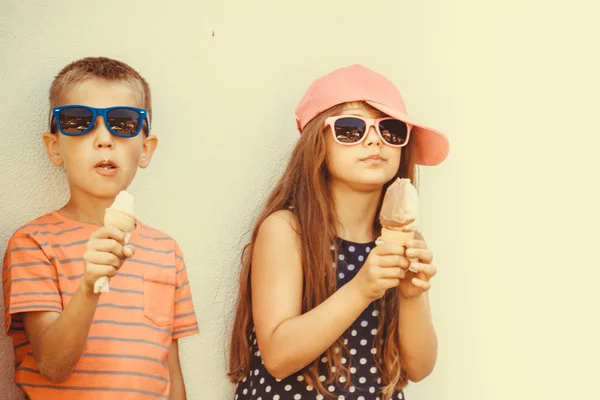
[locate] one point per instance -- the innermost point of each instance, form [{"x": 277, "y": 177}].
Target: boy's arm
[
  {"x": 177, "y": 383},
  {"x": 184, "y": 321},
  {"x": 184, "y": 324},
  {"x": 57, "y": 340}
]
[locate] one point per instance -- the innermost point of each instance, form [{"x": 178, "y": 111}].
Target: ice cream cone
[
  {"x": 119, "y": 219},
  {"x": 121, "y": 216},
  {"x": 396, "y": 236},
  {"x": 399, "y": 213},
  {"x": 400, "y": 237}
]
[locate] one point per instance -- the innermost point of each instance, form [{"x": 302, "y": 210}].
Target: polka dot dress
[{"x": 359, "y": 338}]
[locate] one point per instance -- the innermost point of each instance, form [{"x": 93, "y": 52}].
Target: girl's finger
[
  {"x": 388, "y": 248},
  {"x": 416, "y": 243},
  {"x": 424, "y": 285},
  {"x": 429, "y": 270},
  {"x": 392, "y": 261},
  {"x": 389, "y": 283},
  {"x": 393, "y": 272},
  {"x": 423, "y": 255}
]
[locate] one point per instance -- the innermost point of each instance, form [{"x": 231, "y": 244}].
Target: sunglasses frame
[
  {"x": 55, "y": 116},
  {"x": 330, "y": 122}
]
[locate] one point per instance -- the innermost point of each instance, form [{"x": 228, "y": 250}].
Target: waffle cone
[
  {"x": 119, "y": 219},
  {"x": 101, "y": 285},
  {"x": 396, "y": 236}
]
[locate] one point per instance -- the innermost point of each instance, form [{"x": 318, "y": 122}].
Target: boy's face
[{"x": 99, "y": 164}]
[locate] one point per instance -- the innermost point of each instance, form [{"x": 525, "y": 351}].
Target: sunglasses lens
[
  {"x": 74, "y": 120},
  {"x": 394, "y": 132},
  {"x": 123, "y": 121},
  {"x": 349, "y": 130}
]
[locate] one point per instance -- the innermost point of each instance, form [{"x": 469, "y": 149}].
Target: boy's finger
[
  {"x": 102, "y": 270},
  {"x": 109, "y": 232},
  {"x": 102, "y": 258},
  {"x": 128, "y": 251},
  {"x": 107, "y": 245}
]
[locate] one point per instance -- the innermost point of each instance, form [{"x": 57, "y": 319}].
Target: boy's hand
[{"x": 104, "y": 255}]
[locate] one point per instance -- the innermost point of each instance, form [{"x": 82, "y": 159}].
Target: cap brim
[{"x": 431, "y": 145}]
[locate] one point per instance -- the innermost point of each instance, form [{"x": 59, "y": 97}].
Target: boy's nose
[{"x": 102, "y": 136}]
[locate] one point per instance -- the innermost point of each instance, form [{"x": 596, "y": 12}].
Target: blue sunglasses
[{"x": 121, "y": 121}]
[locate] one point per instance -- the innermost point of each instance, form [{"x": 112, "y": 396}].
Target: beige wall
[{"x": 512, "y": 215}]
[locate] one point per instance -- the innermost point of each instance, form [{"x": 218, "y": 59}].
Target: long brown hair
[{"x": 305, "y": 186}]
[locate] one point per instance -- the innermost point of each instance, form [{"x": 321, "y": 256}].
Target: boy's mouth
[{"x": 106, "y": 165}]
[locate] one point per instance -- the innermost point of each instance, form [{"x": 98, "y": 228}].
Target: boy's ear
[
  {"x": 150, "y": 144},
  {"x": 51, "y": 144}
]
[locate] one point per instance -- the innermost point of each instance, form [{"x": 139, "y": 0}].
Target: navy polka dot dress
[{"x": 359, "y": 338}]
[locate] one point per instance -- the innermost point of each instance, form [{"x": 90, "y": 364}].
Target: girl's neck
[
  {"x": 355, "y": 213},
  {"x": 86, "y": 208}
]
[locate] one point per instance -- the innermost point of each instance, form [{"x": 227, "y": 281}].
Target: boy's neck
[
  {"x": 87, "y": 209},
  {"x": 355, "y": 212}
]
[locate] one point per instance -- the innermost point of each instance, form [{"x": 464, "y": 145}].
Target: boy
[{"x": 69, "y": 342}]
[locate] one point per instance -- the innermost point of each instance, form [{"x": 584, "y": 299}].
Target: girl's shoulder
[
  {"x": 281, "y": 220},
  {"x": 280, "y": 226},
  {"x": 277, "y": 243}
]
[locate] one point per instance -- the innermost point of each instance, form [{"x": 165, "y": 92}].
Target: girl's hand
[
  {"x": 384, "y": 268},
  {"x": 415, "y": 284}
]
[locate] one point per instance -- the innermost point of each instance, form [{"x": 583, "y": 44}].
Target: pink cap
[{"x": 358, "y": 83}]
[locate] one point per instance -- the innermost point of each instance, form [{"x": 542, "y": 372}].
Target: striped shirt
[{"x": 149, "y": 305}]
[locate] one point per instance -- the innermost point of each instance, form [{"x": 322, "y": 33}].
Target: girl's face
[{"x": 364, "y": 166}]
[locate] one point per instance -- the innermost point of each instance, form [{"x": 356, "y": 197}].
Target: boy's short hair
[{"x": 100, "y": 68}]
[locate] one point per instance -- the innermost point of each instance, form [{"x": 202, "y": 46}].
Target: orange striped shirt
[{"x": 149, "y": 305}]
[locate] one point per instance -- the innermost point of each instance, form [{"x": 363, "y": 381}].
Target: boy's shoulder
[
  {"x": 150, "y": 233},
  {"x": 155, "y": 238},
  {"x": 43, "y": 225}
]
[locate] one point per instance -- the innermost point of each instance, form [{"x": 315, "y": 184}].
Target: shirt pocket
[{"x": 159, "y": 296}]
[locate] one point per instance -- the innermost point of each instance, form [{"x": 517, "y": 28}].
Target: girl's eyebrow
[{"x": 355, "y": 111}]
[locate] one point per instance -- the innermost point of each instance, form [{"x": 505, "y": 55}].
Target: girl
[{"x": 323, "y": 310}]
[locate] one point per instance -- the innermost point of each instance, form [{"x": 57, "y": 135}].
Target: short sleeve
[
  {"x": 185, "y": 323},
  {"x": 29, "y": 281}
]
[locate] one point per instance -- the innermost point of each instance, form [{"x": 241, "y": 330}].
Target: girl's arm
[
  {"x": 289, "y": 340},
  {"x": 418, "y": 339}
]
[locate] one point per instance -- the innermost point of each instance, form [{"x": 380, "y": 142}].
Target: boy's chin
[{"x": 101, "y": 191}]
